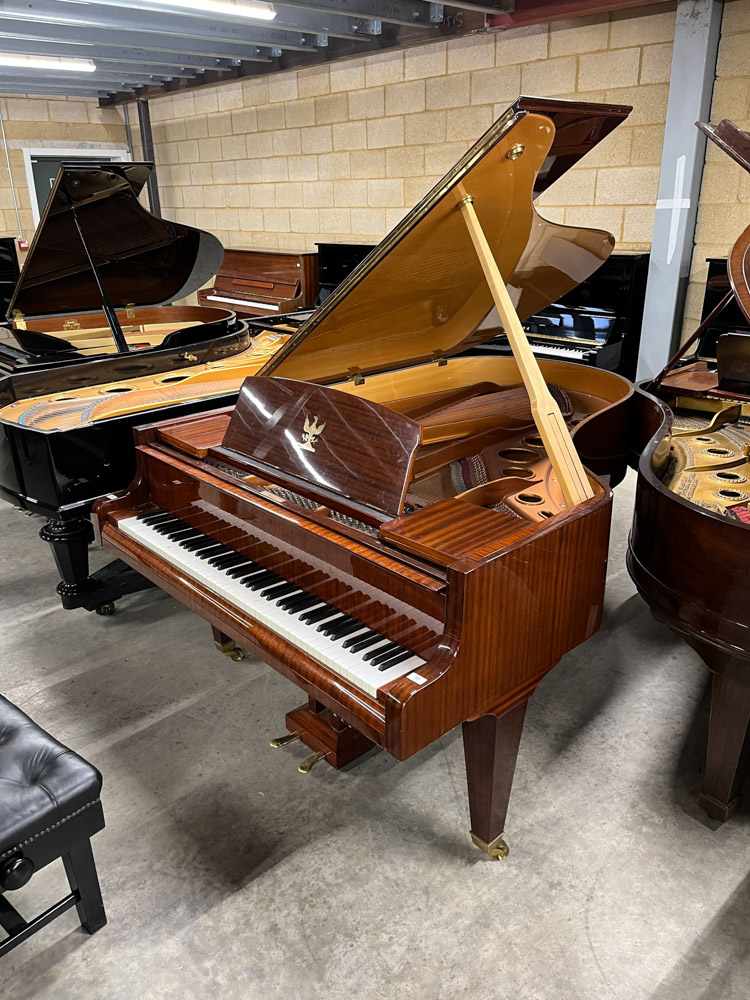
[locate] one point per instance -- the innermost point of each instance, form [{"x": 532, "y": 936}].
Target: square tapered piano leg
[{"x": 490, "y": 747}]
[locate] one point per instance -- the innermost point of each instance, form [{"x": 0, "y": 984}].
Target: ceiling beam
[
  {"x": 42, "y": 15},
  {"x": 145, "y": 16},
  {"x": 198, "y": 46},
  {"x": 539, "y": 11},
  {"x": 116, "y": 53}
]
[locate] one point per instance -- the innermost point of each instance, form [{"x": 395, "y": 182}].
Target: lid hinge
[
  {"x": 355, "y": 376},
  {"x": 439, "y": 358},
  {"x": 19, "y": 320},
  {"x": 130, "y": 310}
]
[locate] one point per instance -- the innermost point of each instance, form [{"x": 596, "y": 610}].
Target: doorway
[{"x": 42, "y": 166}]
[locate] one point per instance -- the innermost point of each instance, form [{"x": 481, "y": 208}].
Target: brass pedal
[
  {"x": 281, "y": 741},
  {"x": 309, "y": 763},
  {"x": 231, "y": 649}
]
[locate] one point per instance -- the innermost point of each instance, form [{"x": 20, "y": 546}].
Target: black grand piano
[
  {"x": 89, "y": 308},
  {"x": 89, "y": 305}
]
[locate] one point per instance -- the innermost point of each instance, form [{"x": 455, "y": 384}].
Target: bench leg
[{"x": 81, "y": 871}]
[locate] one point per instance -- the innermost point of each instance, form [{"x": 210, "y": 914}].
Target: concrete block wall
[
  {"x": 724, "y": 208},
  {"x": 341, "y": 153},
  {"x": 54, "y": 122}
]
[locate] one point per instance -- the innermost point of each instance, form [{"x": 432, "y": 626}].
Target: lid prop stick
[{"x": 545, "y": 411}]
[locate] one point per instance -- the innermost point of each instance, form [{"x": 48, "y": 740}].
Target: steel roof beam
[
  {"x": 34, "y": 30},
  {"x": 331, "y": 22},
  {"x": 116, "y": 53},
  {"x": 47, "y": 14},
  {"x": 57, "y": 90},
  {"x": 409, "y": 12},
  {"x": 141, "y": 15}
]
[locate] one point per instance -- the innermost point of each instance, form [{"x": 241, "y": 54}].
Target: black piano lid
[{"x": 142, "y": 260}]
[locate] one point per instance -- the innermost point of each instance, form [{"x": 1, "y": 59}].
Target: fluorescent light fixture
[
  {"x": 50, "y": 63},
  {"x": 238, "y": 8}
]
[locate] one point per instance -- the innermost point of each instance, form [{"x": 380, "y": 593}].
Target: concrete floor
[{"x": 227, "y": 874}]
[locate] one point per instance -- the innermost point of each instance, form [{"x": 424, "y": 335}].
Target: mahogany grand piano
[
  {"x": 409, "y": 537},
  {"x": 690, "y": 542}
]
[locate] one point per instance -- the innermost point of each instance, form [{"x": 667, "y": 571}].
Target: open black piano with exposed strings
[{"x": 90, "y": 303}]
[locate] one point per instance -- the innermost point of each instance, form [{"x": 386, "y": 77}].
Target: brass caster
[
  {"x": 281, "y": 741},
  {"x": 231, "y": 649},
  {"x": 106, "y": 609},
  {"x": 307, "y": 765},
  {"x": 497, "y": 850}
]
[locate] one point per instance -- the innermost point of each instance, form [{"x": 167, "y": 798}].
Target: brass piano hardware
[
  {"x": 546, "y": 413},
  {"x": 130, "y": 310},
  {"x": 71, "y": 324},
  {"x": 19, "y": 320},
  {"x": 439, "y": 358},
  {"x": 515, "y": 151},
  {"x": 496, "y": 850},
  {"x": 187, "y": 356},
  {"x": 281, "y": 741},
  {"x": 309, "y": 763},
  {"x": 355, "y": 376},
  {"x": 231, "y": 649}
]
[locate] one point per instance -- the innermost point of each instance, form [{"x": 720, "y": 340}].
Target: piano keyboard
[
  {"x": 242, "y": 302},
  {"x": 553, "y": 351},
  {"x": 358, "y": 654}
]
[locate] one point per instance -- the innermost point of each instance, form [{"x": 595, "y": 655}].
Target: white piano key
[{"x": 329, "y": 652}]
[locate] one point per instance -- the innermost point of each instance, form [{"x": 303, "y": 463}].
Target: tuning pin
[
  {"x": 307, "y": 765},
  {"x": 281, "y": 741}
]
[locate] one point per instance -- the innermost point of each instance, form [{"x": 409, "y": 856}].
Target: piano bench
[{"x": 49, "y": 809}]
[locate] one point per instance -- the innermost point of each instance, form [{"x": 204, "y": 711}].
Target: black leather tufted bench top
[{"x": 42, "y": 782}]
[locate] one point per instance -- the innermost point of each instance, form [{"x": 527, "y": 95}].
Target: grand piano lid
[
  {"x": 141, "y": 260},
  {"x": 421, "y": 293}
]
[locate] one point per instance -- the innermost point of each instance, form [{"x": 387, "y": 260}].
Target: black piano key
[
  {"x": 341, "y": 632},
  {"x": 279, "y": 590},
  {"x": 178, "y": 534},
  {"x": 164, "y": 526},
  {"x": 393, "y": 661},
  {"x": 243, "y": 569},
  {"x": 217, "y": 549},
  {"x": 365, "y": 641},
  {"x": 295, "y": 605},
  {"x": 374, "y": 654},
  {"x": 227, "y": 560},
  {"x": 155, "y": 518},
  {"x": 195, "y": 544},
  {"x": 330, "y": 625},
  {"x": 263, "y": 579},
  {"x": 318, "y": 614}
]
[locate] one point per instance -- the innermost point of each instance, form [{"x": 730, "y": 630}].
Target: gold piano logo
[{"x": 311, "y": 433}]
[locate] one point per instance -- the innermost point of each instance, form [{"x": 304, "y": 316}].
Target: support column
[
  {"x": 696, "y": 45},
  {"x": 147, "y": 148}
]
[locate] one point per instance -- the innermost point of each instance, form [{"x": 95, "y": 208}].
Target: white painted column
[{"x": 696, "y": 44}]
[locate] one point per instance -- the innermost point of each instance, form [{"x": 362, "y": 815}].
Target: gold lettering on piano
[{"x": 311, "y": 433}]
